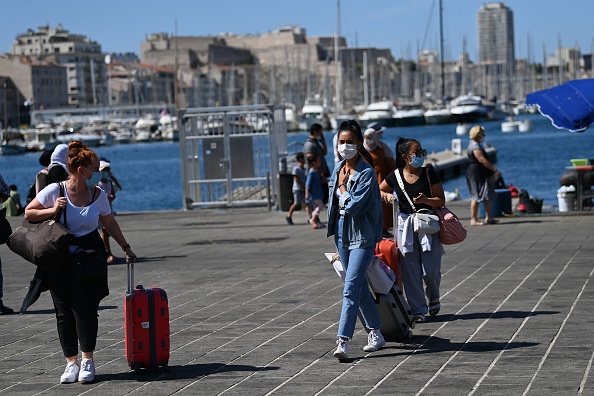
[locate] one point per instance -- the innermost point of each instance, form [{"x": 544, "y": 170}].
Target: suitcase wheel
[
  {"x": 136, "y": 367},
  {"x": 409, "y": 334}
]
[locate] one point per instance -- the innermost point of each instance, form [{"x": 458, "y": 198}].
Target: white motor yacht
[
  {"x": 381, "y": 112},
  {"x": 313, "y": 112},
  {"x": 468, "y": 108}
]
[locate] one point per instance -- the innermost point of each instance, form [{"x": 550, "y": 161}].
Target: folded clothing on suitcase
[{"x": 381, "y": 277}]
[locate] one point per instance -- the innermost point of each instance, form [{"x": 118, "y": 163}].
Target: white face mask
[
  {"x": 347, "y": 151},
  {"x": 370, "y": 144}
]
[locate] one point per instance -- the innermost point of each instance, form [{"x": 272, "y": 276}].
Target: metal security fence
[{"x": 230, "y": 155}]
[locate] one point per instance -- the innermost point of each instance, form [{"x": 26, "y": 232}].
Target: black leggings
[{"x": 76, "y": 311}]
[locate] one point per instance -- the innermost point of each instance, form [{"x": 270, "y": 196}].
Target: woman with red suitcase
[
  {"x": 420, "y": 252},
  {"x": 76, "y": 301}
]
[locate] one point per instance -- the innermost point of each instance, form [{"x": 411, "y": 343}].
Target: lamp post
[
  {"x": 5, "y": 86},
  {"x": 107, "y": 62}
]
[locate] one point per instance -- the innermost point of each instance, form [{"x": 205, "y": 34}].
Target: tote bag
[{"x": 44, "y": 244}]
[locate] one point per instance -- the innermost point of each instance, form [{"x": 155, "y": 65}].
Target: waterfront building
[
  {"x": 80, "y": 56},
  {"x": 29, "y": 85},
  {"x": 495, "y": 28}
]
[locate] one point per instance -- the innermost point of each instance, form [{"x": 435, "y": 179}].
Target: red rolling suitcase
[
  {"x": 146, "y": 325},
  {"x": 387, "y": 248},
  {"x": 387, "y": 251}
]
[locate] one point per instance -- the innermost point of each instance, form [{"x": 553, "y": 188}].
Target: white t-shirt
[{"x": 81, "y": 220}]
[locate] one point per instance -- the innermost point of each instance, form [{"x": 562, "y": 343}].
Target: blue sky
[{"x": 401, "y": 25}]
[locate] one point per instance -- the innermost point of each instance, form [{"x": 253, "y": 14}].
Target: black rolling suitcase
[
  {"x": 395, "y": 315},
  {"x": 393, "y": 308}
]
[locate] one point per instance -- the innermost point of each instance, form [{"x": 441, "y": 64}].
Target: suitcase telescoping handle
[
  {"x": 130, "y": 267},
  {"x": 395, "y": 211}
]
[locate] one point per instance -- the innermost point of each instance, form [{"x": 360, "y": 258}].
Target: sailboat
[
  {"x": 440, "y": 112},
  {"x": 338, "y": 115}
]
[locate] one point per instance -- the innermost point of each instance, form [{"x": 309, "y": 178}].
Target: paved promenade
[{"x": 255, "y": 306}]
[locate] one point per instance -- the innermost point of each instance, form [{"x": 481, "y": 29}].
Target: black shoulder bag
[{"x": 89, "y": 260}]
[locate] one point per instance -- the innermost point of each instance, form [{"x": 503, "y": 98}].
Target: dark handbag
[
  {"x": 5, "y": 228},
  {"x": 87, "y": 264},
  {"x": 45, "y": 243}
]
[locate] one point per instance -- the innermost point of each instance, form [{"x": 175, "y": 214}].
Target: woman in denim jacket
[{"x": 355, "y": 220}]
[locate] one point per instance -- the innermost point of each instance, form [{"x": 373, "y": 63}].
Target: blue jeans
[{"x": 356, "y": 291}]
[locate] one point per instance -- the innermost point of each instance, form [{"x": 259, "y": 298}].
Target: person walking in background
[
  {"x": 421, "y": 253},
  {"x": 13, "y": 203},
  {"x": 57, "y": 171},
  {"x": 314, "y": 194},
  {"x": 337, "y": 157},
  {"x": 58, "y": 168},
  {"x": 316, "y": 145},
  {"x": 4, "y": 194},
  {"x": 299, "y": 176},
  {"x": 107, "y": 186},
  {"x": 380, "y": 133},
  {"x": 383, "y": 165},
  {"x": 75, "y": 301},
  {"x": 42, "y": 177},
  {"x": 354, "y": 219},
  {"x": 112, "y": 177},
  {"x": 477, "y": 177}
]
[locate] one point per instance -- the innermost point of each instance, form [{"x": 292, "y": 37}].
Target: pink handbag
[{"x": 451, "y": 230}]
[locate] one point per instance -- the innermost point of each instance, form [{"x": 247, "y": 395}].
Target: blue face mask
[
  {"x": 95, "y": 178},
  {"x": 417, "y": 162}
]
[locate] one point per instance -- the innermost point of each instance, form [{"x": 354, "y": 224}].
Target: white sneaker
[
  {"x": 342, "y": 349},
  {"x": 70, "y": 374},
  {"x": 87, "y": 371},
  {"x": 375, "y": 340}
]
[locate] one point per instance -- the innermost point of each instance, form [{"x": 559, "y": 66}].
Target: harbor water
[{"x": 150, "y": 173}]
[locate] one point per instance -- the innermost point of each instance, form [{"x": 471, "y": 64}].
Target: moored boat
[
  {"x": 313, "y": 112},
  {"x": 468, "y": 108},
  {"x": 525, "y": 126},
  {"x": 90, "y": 139},
  {"x": 409, "y": 115},
  {"x": 291, "y": 117},
  {"x": 510, "y": 125},
  {"x": 381, "y": 112},
  {"x": 462, "y": 129},
  {"x": 438, "y": 115}
]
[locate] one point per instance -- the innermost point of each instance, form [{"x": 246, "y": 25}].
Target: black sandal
[{"x": 434, "y": 308}]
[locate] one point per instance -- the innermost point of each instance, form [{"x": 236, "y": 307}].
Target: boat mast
[
  {"x": 176, "y": 67},
  {"x": 336, "y": 63},
  {"x": 441, "y": 60}
]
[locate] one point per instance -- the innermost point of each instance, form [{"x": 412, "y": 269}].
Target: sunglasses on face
[{"x": 419, "y": 152}]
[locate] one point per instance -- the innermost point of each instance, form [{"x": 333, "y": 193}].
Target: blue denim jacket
[{"x": 362, "y": 204}]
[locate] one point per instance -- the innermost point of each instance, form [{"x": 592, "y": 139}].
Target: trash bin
[
  {"x": 500, "y": 205},
  {"x": 566, "y": 196},
  {"x": 285, "y": 181},
  {"x": 533, "y": 205}
]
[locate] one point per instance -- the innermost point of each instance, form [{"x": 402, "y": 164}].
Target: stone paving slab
[{"x": 254, "y": 308}]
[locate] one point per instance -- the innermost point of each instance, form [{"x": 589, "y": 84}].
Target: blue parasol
[{"x": 569, "y": 106}]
